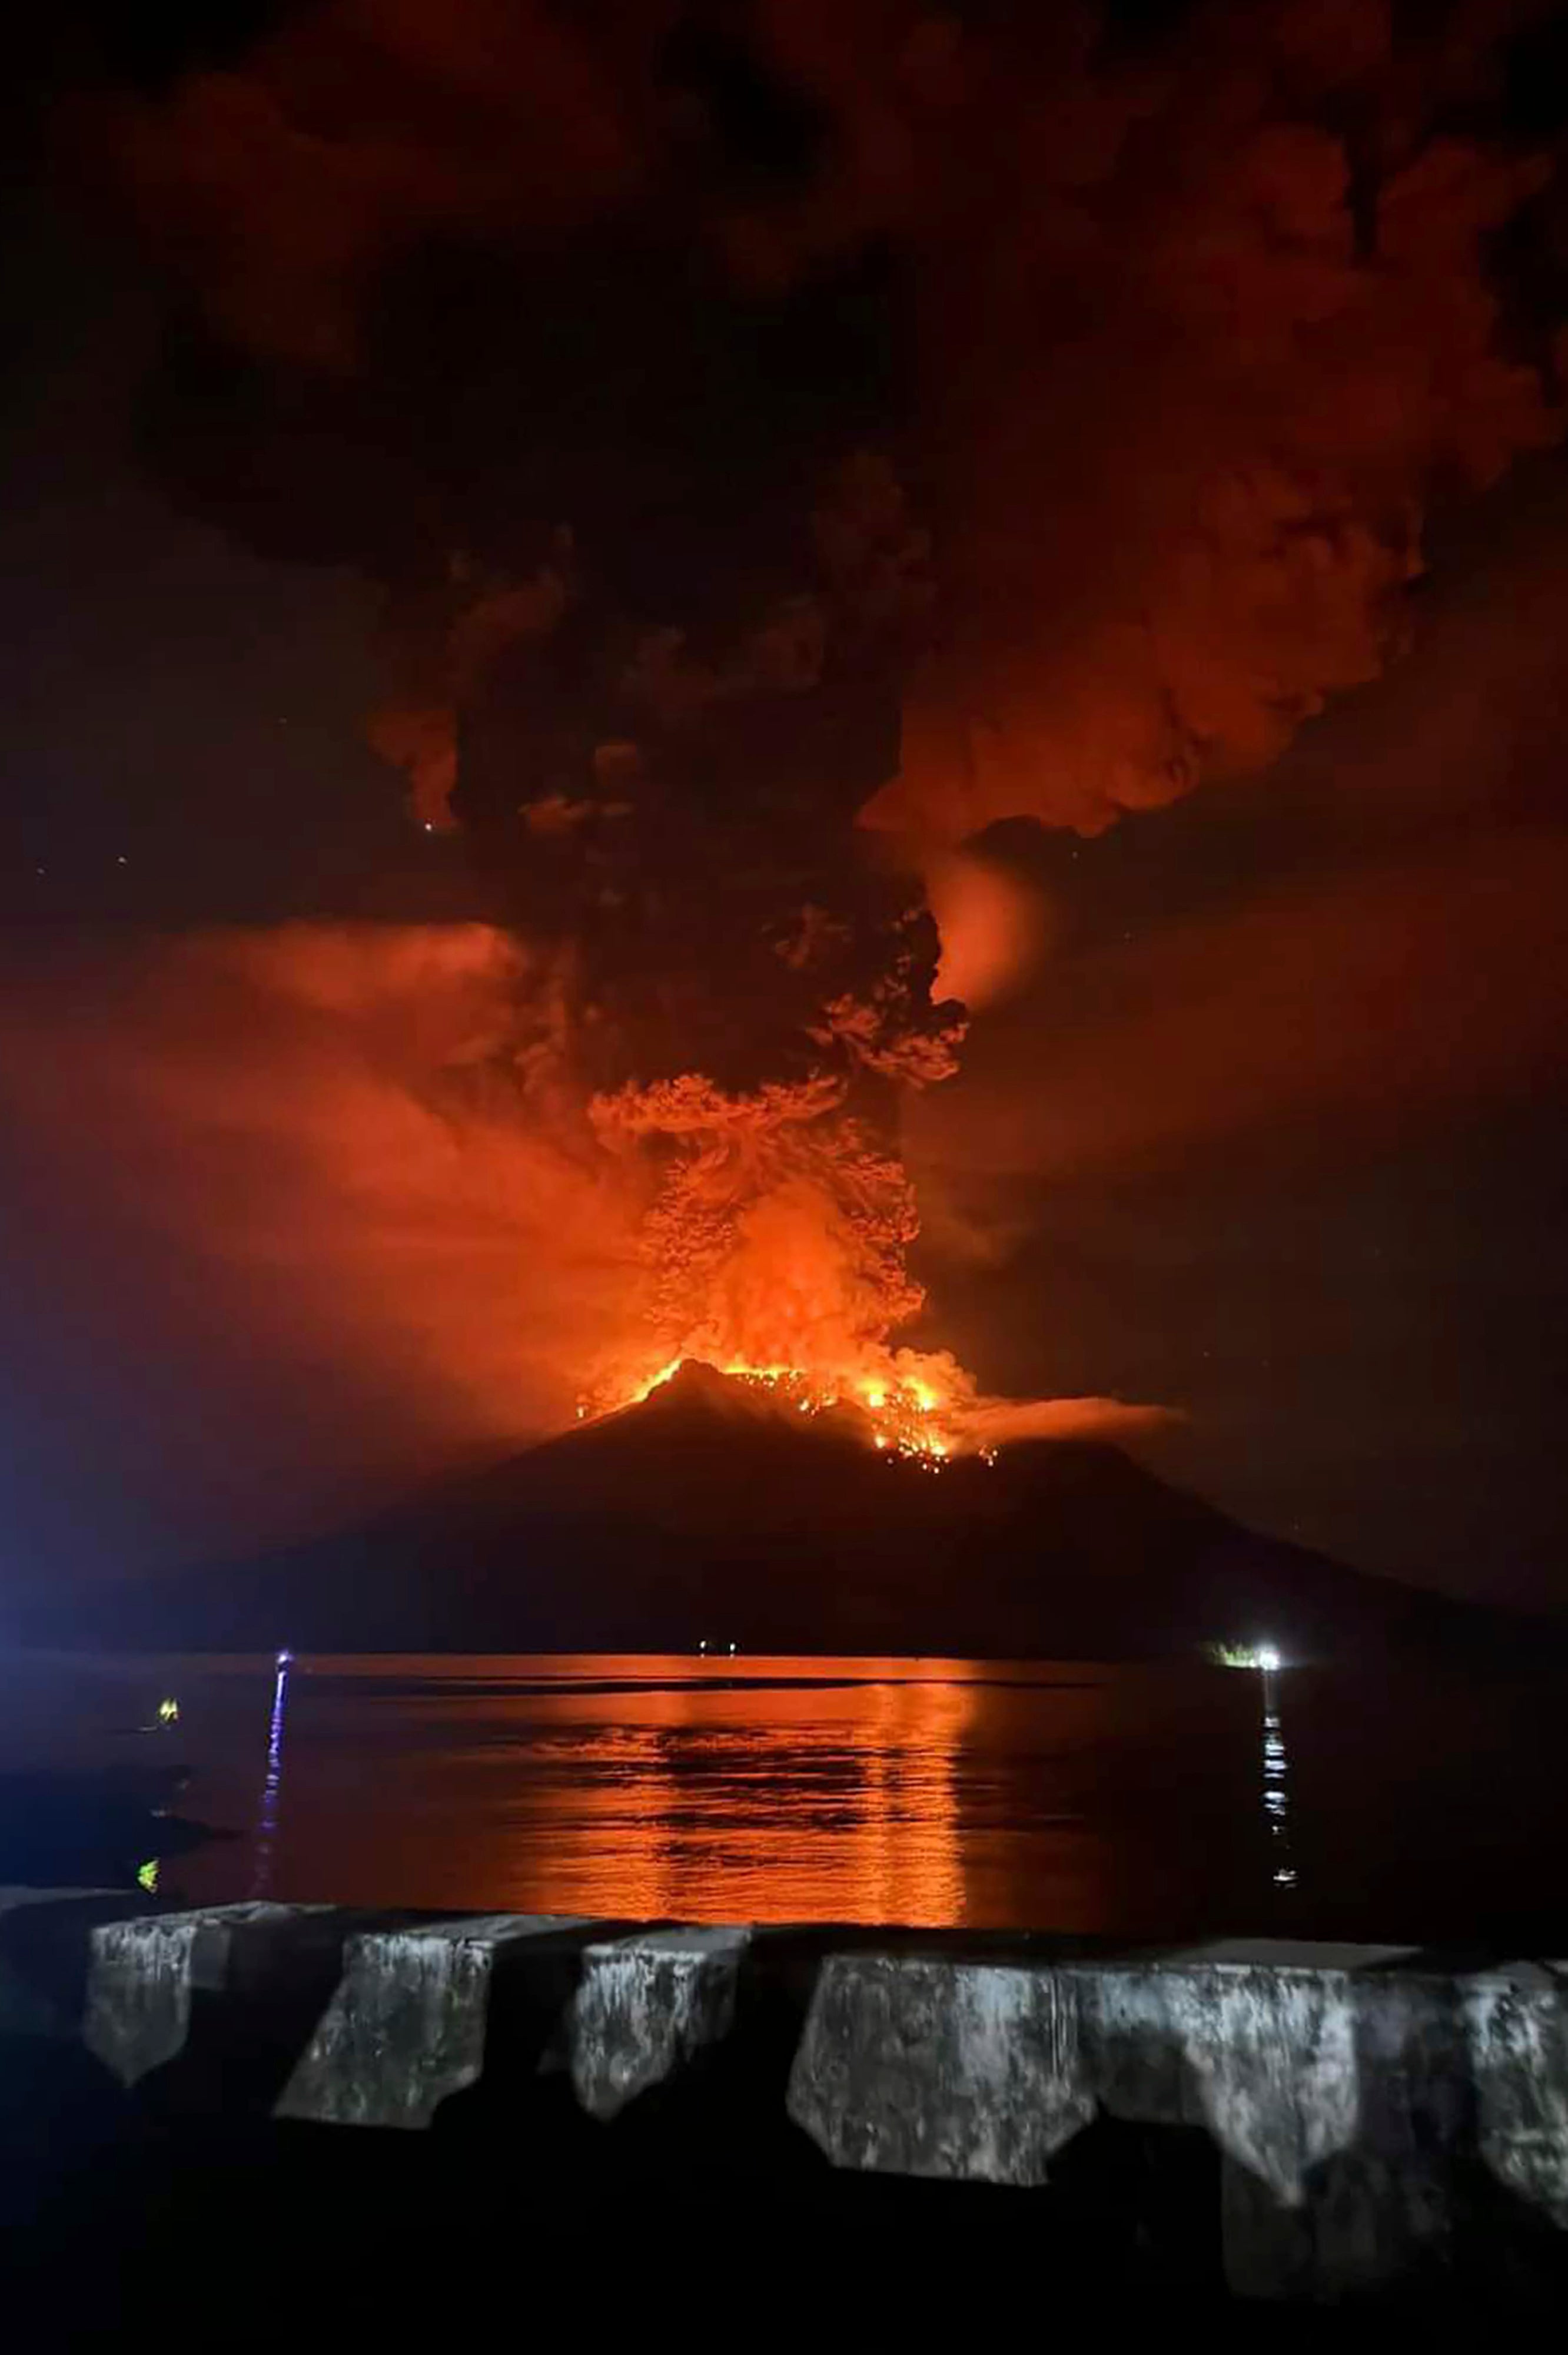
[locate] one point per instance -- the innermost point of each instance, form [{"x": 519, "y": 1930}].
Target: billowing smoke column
[
  {"x": 742, "y": 991},
  {"x": 791, "y": 439}
]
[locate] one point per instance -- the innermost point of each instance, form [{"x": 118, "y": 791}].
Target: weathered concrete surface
[
  {"x": 1516, "y": 2023},
  {"x": 1332, "y": 2084},
  {"x": 144, "y": 1975},
  {"x": 408, "y": 2024},
  {"x": 983, "y": 2069},
  {"x": 914, "y": 2067},
  {"x": 1333, "y": 2087},
  {"x": 1262, "y": 2049},
  {"x": 646, "y": 2006},
  {"x": 1376, "y": 2117}
]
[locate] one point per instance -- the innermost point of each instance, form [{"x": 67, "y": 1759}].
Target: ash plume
[{"x": 791, "y": 440}]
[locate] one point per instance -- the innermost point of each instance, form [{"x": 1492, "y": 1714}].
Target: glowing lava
[{"x": 907, "y": 1411}]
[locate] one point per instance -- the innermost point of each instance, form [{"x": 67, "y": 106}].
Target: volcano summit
[{"x": 714, "y": 1511}]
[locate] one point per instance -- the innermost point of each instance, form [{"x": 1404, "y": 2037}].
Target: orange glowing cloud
[
  {"x": 994, "y": 928},
  {"x": 295, "y": 1171}
]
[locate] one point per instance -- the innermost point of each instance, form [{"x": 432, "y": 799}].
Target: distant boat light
[{"x": 1264, "y": 1656}]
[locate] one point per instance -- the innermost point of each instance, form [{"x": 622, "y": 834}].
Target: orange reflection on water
[
  {"x": 794, "y": 1800},
  {"x": 932, "y": 1792}
]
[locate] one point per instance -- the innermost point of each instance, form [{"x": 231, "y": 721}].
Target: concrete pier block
[
  {"x": 408, "y": 2024},
  {"x": 1330, "y": 2080},
  {"x": 1261, "y": 2045},
  {"x": 146, "y": 1974},
  {"x": 1332, "y": 2085},
  {"x": 1516, "y": 2026},
  {"x": 1372, "y": 2120},
  {"x": 646, "y": 2006},
  {"x": 914, "y": 2067}
]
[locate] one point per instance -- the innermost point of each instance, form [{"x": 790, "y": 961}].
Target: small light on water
[{"x": 1245, "y": 1656}]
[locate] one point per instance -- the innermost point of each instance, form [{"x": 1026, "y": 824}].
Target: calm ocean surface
[{"x": 1122, "y": 1801}]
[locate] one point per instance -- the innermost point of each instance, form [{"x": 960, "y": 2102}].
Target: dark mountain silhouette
[{"x": 716, "y": 1511}]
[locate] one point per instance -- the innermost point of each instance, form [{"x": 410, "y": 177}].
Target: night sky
[{"x": 1267, "y": 1123}]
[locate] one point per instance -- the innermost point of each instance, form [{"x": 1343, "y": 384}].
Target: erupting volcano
[
  {"x": 714, "y": 1510},
  {"x": 906, "y": 1416},
  {"x": 787, "y": 447}
]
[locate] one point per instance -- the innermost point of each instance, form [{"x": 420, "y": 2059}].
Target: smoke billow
[{"x": 791, "y": 440}]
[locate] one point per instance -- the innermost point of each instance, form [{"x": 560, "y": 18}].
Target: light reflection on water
[
  {"x": 1276, "y": 1786},
  {"x": 1116, "y": 1800},
  {"x": 933, "y": 1792},
  {"x": 266, "y": 1834},
  {"x": 814, "y": 1808}
]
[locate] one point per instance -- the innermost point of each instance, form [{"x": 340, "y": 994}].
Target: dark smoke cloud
[
  {"x": 569, "y": 327},
  {"x": 1382, "y": 950},
  {"x": 789, "y": 440}
]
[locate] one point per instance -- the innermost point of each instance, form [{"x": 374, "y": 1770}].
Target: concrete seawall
[{"x": 1347, "y": 2120}]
